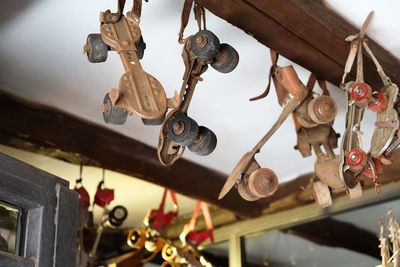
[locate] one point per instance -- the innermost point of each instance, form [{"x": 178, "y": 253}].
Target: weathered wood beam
[
  {"x": 290, "y": 196},
  {"x": 305, "y": 32},
  {"x": 52, "y": 132},
  {"x": 334, "y": 233}
]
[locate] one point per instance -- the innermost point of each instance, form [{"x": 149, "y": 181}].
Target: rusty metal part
[
  {"x": 245, "y": 192},
  {"x": 322, "y": 109},
  {"x": 302, "y": 116},
  {"x": 328, "y": 172},
  {"x": 315, "y": 137},
  {"x": 382, "y": 137},
  {"x": 139, "y": 92},
  {"x": 296, "y": 93},
  {"x": 322, "y": 194},
  {"x": 263, "y": 182},
  {"x": 243, "y": 184}
]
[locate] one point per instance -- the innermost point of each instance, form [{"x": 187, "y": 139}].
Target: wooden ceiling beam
[
  {"x": 306, "y": 32},
  {"x": 334, "y": 233},
  {"x": 52, "y": 132}
]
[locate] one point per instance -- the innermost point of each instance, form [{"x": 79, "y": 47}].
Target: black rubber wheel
[
  {"x": 226, "y": 59},
  {"x": 204, "y": 45},
  {"x": 183, "y": 130},
  {"x": 205, "y": 142},
  {"x": 117, "y": 215},
  {"x": 158, "y": 121},
  {"x": 96, "y": 50},
  {"x": 141, "y": 46},
  {"x": 113, "y": 114}
]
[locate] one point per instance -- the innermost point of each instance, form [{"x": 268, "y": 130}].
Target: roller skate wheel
[
  {"x": 378, "y": 103},
  {"x": 361, "y": 93},
  {"x": 356, "y": 159}
]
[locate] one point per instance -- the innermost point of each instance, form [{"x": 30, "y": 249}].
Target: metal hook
[{"x": 79, "y": 180}]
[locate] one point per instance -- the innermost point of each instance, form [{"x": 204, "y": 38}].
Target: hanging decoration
[
  {"x": 200, "y": 50},
  {"x": 359, "y": 96}
]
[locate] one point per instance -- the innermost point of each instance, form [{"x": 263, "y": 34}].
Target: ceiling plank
[
  {"x": 334, "y": 233},
  {"x": 306, "y": 32},
  {"x": 52, "y": 132}
]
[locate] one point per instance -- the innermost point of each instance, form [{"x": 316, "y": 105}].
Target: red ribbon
[
  {"x": 200, "y": 237},
  {"x": 84, "y": 198},
  {"x": 160, "y": 218}
]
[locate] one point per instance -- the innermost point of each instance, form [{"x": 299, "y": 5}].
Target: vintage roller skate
[
  {"x": 313, "y": 122},
  {"x": 252, "y": 181},
  {"x": 359, "y": 95},
  {"x": 139, "y": 92},
  {"x": 179, "y": 130}
]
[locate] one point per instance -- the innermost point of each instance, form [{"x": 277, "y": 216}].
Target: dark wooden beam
[
  {"x": 334, "y": 233},
  {"x": 305, "y": 32},
  {"x": 54, "y": 133}
]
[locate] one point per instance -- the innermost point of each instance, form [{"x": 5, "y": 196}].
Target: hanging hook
[
  {"x": 102, "y": 178},
  {"x": 79, "y": 180}
]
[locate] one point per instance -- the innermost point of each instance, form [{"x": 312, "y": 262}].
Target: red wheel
[
  {"x": 361, "y": 93},
  {"x": 356, "y": 159},
  {"x": 387, "y": 159},
  {"x": 378, "y": 103},
  {"x": 367, "y": 171}
]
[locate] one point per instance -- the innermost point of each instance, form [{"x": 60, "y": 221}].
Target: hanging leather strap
[
  {"x": 199, "y": 14},
  {"x": 385, "y": 79},
  {"x": 121, "y": 6},
  {"x": 356, "y": 45},
  {"x": 188, "y": 229},
  {"x": 322, "y": 84},
  {"x": 274, "y": 59},
  {"x": 187, "y": 6},
  {"x": 162, "y": 219},
  {"x": 137, "y": 9}
]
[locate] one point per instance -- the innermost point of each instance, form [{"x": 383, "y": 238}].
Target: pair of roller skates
[
  {"x": 252, "y": 181},
  {"x": 314, "y": 129},
  {"x": 142, "y": 94},
  {"x": 179, "y": 130},
  {"x": 359, "y": 96}
]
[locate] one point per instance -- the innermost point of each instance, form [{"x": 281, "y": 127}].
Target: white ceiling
[{"x": 41, "y": 59}]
